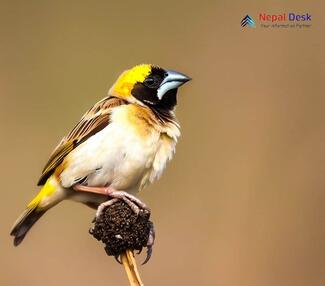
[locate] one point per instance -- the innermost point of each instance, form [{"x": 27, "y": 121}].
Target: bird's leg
[{"x": 134, "y": 203}]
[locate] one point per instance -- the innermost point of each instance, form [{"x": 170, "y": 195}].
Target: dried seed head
[{"x": 119, "y": 228}]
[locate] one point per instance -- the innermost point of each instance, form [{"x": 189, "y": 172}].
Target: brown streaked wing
[{"x": 94, "y": 120}]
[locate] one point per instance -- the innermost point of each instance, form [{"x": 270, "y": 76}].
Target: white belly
[{"x": 116, "y": 156}]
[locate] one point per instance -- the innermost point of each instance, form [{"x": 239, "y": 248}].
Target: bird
[{"x": 120, "y": 145}]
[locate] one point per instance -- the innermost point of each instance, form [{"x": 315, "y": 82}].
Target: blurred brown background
[{"x": 242, "y": 203}]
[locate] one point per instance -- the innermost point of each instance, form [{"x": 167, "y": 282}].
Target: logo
[
  {"x": 247, "y": 20},
  {"x": 278, "y": 20}
]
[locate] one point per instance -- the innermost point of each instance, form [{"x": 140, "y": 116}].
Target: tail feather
[
  {"x": 24, "y": 224},
  {"x": 50, "y": 195}
]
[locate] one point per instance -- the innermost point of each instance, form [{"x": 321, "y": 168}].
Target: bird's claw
[
  {"x": 150, "y": 243},
  {"x": 133, "y": 202},
  {"x": 149, "y": 253},
  {"x": 117, "y": 258}
]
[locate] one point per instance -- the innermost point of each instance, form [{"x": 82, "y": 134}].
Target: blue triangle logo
[{"x": 247, "y": 21}]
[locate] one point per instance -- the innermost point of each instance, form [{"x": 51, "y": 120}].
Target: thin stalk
[{"x": 131, "y": 269}]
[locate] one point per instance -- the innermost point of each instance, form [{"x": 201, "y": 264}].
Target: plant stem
[{"x": 131, "y": 269}]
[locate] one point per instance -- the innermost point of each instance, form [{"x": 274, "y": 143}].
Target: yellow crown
[{"x": 127, "y": 80}]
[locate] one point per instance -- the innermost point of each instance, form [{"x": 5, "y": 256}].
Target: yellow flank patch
[
  {"x": 125, "y": 83},
  {"x": 47, "y": 190}
]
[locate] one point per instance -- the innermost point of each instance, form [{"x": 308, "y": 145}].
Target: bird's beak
[{"x": 172, "y": 80}]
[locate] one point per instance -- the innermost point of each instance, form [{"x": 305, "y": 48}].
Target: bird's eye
[
  {"x": 152, "y": 82},
  {"x": 149, "y": 81}
]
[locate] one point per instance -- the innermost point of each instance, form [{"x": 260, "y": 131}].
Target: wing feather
[{"x": 93, "y": 121}]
